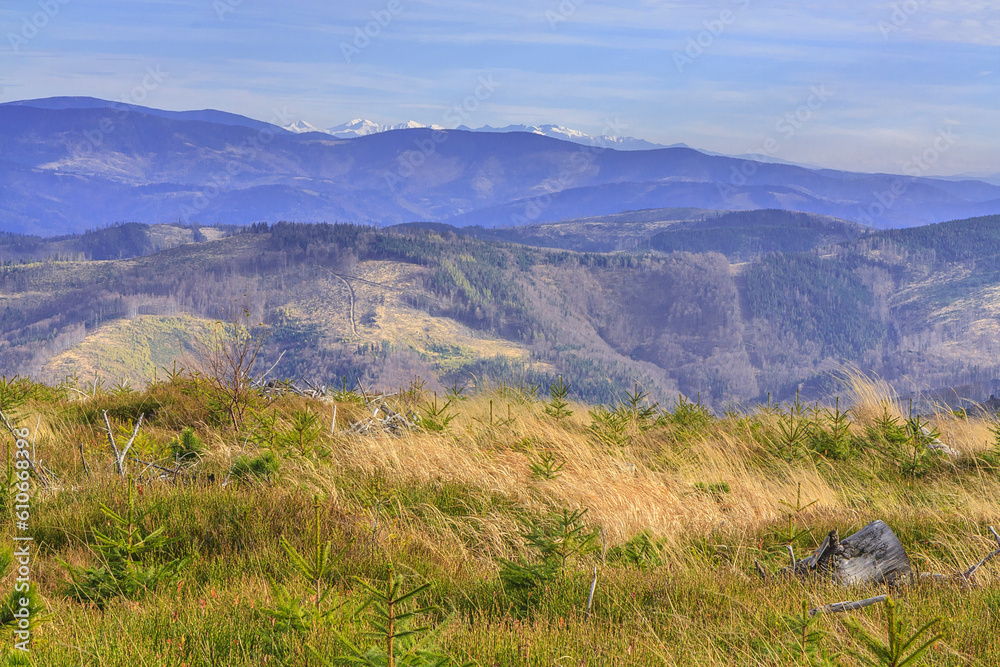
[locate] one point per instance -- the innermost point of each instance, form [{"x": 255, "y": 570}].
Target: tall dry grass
[{"x": 446, "y": 506}]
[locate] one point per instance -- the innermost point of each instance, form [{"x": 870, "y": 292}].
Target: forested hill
[
  {"x": 119, "y": 241},
  {"x": 723, "y": 315},
  {"x": 739, "y": 235}
]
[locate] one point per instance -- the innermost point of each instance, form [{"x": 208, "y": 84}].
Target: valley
[{"x": 725, "y": 308}]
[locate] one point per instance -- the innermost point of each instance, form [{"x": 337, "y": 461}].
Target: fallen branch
[
  {"x": 838, "y": 607},
  {"x": 172, "y": 471},
  {"x": 394, "y": 422},
  {"x": 968, "y": 574},
  {"x": 260, "y": 380},
  {"x": 936, "y": 445}
]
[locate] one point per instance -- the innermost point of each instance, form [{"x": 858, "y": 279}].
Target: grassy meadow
[{"x": 284, "y": 539}]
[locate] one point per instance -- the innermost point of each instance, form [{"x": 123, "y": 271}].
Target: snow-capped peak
[
  {"x": 560, "y": 131},
  {"x": 576, "y": 136},
  {"x": 360, "y": 127},
  {"x": 408, "y": 125},
  {"x": 301, "y": 127}
]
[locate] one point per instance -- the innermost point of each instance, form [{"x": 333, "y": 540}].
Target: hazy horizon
[{"x": 868, "y": 88}]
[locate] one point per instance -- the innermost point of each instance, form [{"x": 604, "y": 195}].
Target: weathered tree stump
[{"x": 873, "y": 555}]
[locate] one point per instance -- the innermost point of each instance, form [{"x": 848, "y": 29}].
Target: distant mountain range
[
  {"x": 360, "y": 127},
  {"x": 71, "y": 164}
]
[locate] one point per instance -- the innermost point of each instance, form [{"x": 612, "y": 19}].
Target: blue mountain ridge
[{"x": 70, "y": 164}]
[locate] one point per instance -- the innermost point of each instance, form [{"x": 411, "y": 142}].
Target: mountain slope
[
  {"x": 740, "y": 235},
  {"x": 65, "y": 170},
  {"x": 918, "y": 306},
  {"x": 124, "y": 108}
]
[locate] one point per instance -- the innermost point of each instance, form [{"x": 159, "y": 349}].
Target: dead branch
[
  {"x": 167, "y": 471},
  {"x": 121, "y": 454},
  {"x": 838, "y": 607},
  {"x": 392, "y": 423},
  {"x": 83, "y": 458},
  {"x": 968, "y": 574},
  {"x": 936, "y": 445},
  {"x": 590, "y": 598},
  {"x": 260, "y": 380}
]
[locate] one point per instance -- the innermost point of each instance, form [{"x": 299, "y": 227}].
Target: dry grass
[{"x": 445, "y": 506}]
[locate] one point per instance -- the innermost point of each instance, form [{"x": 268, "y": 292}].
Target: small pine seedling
[
  {"x": 898, "y": 650},
  {"x": 397, "y": 642},
  {"x": 805, "y": 638},
  {"x": 546, "y": 466},
  {"x": 792, "y": 532},
  {"x": 436, "y": 417},
  {"x": 187, "y": 446},
  {"x": 558, "y": 406},
  {"x": 289, "y": 613}
]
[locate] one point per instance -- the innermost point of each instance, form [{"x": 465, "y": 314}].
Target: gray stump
[{"x": 873, "y": 555}]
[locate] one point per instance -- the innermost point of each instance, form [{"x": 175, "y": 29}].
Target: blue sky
[{"x": 853, "y": 85}]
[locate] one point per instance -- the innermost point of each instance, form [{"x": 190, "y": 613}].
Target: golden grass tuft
[{"x": 446, "y": 506}]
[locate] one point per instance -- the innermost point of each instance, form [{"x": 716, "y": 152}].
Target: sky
[{"x": 911, "y": 86}]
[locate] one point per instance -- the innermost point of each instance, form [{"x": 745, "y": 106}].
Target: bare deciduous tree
[{"x": 228, "y": 358}]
